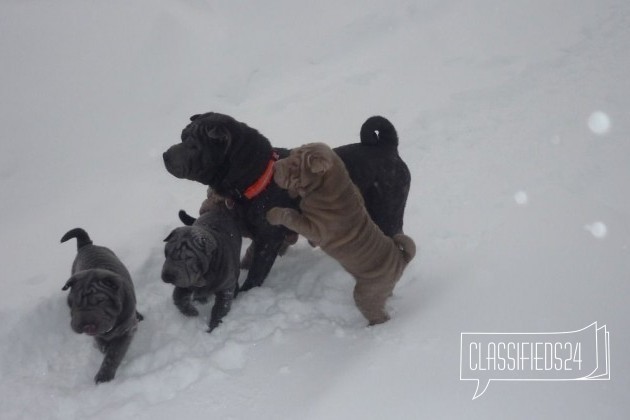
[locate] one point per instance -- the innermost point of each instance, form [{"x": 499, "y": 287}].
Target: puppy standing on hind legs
[
  {"x": 102, "y": 301},
  {"x": 333, "y": 216}
]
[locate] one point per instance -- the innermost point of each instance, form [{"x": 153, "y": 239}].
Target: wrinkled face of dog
[
  {"x": 203, "y": 150},
  {"x": 303, "y": 170},
  {"x": 95, "y": 301},
  {"x": 190, "y": 253}
]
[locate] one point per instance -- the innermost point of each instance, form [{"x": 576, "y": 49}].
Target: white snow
[
  {"x": 488, "y": 97},
  {"x": 521, "y": 198},
  {"x": 599, "y": 123},
  {"x": 597, "y": 229}
]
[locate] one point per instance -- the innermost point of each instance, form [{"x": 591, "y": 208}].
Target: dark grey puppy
[
  {"x": 102, "y": 301},
  {"x": 203, "y": 259}
]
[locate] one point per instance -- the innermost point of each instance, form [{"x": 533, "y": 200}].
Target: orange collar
[{"x": 264, "y": 180}]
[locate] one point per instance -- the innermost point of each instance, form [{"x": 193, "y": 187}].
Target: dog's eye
[
  {"x": 192, "y": 144},
  {"x": 200, "y": 241},
  {"x": 109, "y": 283},
  {"x": 97, "y": 299}
]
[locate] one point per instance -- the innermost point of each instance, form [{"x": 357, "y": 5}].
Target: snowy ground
[{"x": 512, "y": 189}]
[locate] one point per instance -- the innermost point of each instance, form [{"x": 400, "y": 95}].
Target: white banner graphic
[{"x": 558, "y": 356}]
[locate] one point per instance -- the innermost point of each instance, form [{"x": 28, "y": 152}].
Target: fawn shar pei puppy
[{"x": 333, "y": 215}]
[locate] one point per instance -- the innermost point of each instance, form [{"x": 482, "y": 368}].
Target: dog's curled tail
[
  {"x": 83, "y": 239},
  {"x": 406, "y": 245},
  {"x": 378, "y": 131}
]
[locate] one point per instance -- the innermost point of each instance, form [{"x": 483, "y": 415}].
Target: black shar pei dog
[
  {"x": 102, "y": 301},
  {"x": 236, "y": 161},
  {"x": 202, "y": 258}
]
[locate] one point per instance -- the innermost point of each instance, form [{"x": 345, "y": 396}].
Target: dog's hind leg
[{"x": 370, "y": 299}]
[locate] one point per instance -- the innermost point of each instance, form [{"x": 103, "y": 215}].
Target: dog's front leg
[
  {"x": 115, "y": 350},
  {"x": 294, "y": 220},
  {"x": 182, "y": 299},
  {"x": 222, "y": 305},
  {"x": 201, "y": 295},
  {"x": 266, "y": 246}
]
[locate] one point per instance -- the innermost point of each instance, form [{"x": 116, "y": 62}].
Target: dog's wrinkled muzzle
[
  {"x": 173, "y": 162},
  {"x": 170, "y": 166},
  {"x": 168, "y": 277}
]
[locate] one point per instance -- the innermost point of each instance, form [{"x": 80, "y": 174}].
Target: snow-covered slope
[{"x": 511, "y": 191}]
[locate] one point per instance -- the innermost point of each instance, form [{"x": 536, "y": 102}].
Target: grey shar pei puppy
[
  {"x": 102, "y": 301},
  {"x": 333, "y": 215},
  {"x": 203, "y": 259}
]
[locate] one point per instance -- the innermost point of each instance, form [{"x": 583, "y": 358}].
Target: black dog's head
[
  {"x": 218, "y": 151},
  {"x": 95, "y": 300},
  {"x": 203, "y": 150},
  {"x": 191, "y": 255}
]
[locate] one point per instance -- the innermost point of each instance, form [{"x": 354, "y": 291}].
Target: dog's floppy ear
[
  {"x": 318, "y": 163},
  {"x": 194, "y": 117},
  {"x": 170, "y": 236},
  {"x": 219, "y": 133},
  {"x": 71, "y": 281}
]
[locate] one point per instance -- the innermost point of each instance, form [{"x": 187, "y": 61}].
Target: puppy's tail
[
  {"x": 406, "y": 245},
  {"x": 83, "y": 238},
  {"x": 186, "y": 218},
  {"x": 378, "y": 131}
]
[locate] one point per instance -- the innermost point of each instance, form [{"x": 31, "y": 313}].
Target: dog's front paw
[
  {"x": 275, "y": 215},
  {"x": 213, "y": 324},
  {"x": 188, "y": 310},
  {"x": 280, "y": 215},
  {"x": 248, "y": 285},
  {"x": 104, "y": 375}
]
